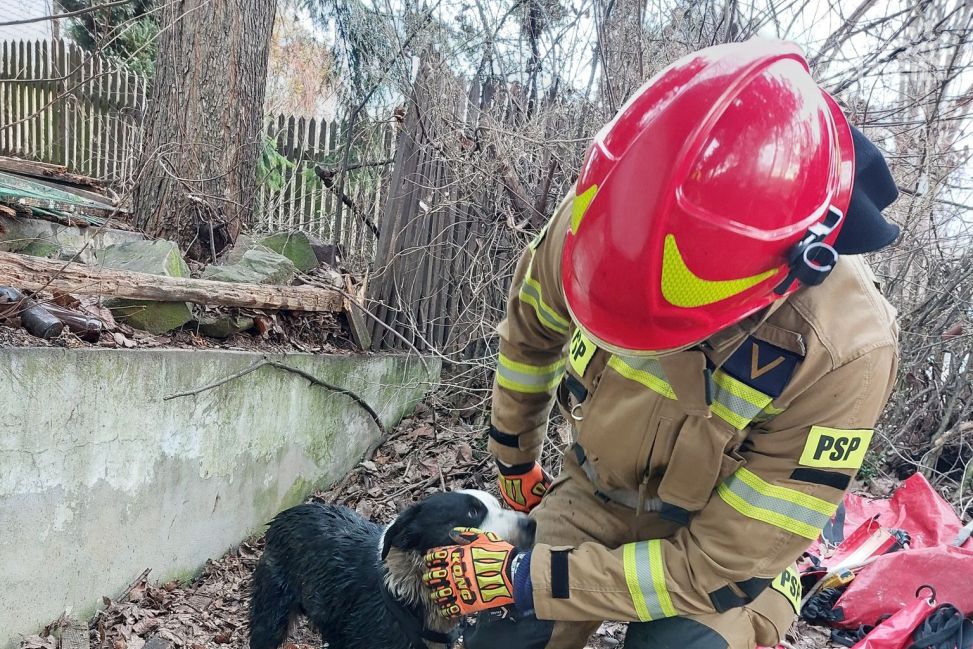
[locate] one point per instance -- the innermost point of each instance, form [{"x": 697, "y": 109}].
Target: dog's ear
[{"x": 403, "y": 533}]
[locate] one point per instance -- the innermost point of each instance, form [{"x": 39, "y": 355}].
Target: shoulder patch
[
  {"x": 788, "y": 584},
  {"x": 763, "y": 366},
  {"x": 835, "y": 448},
  {"x": 581, "y": 351}
]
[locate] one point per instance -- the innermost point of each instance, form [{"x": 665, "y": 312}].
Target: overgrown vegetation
[{"x": 125, "y": 33}]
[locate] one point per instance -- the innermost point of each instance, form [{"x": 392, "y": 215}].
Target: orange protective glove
[
  {"x": 471, "y": 577},
  {"x": 523, "y": 485}
]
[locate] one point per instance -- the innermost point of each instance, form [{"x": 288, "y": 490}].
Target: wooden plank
[
  {"x": 311, "y": 191},
  {"x": 320, "y": 196},
  {"x": 356, "y": 321},
  {"x": 5, "y": 98},
  {"x": 45, "y": 94},
  {"x": 287, "y": 198},
  {"x": 36, "y": 107},
  {"x": 300, "y": 145},
  {"x": 404, "y": 264},
  {"x": 35, "y": 274},
  {"x": 46, "y": 171},
  {"x": 406, "y": 157},
  {"x": 72, "y": 105},
  {"x": 21, "y": 112},
  {"x": 279, "y": 138}
]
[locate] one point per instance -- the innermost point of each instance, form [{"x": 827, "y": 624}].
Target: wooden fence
[
  {"x": 457, "y": 214},
  {"x": 61, "y": 105},
  {"x": 301, "y": 201}
]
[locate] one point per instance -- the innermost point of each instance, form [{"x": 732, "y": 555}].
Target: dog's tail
[{"x": 271, "y": 605}]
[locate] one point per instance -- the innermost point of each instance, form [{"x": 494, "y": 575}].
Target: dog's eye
[{"x": 476, "y": 511}]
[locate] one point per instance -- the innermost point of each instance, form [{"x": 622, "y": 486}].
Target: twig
[
  {"x": 412, "y": 487},
  {"x": 232, "y": 377},
  {"x": 286, "y": 368},
  {"x": 66, "y": 14}
]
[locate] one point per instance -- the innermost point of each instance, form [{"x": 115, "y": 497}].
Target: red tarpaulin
[{"x": 890, "y": 582}]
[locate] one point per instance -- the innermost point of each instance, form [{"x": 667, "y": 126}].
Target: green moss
[
  {"x": 40, "y": 248},
  {"x": 295, "y": 246}
]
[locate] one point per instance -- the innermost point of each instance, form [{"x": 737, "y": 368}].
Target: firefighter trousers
[{"x": 570, "y": 514}]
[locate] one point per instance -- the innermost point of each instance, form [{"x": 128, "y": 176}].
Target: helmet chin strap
[{"x": 811, "y": 260}]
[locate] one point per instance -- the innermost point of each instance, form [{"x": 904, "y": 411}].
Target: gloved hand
[
  {"x": 523, "y": 485},
  {"x": 471, "y": 577}
]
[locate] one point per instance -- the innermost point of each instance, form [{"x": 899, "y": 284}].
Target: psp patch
[
  {"x": 763, "y": 366},
  {"x": 580, "y": 352},
  {"x": 835, "y": 448},
  {"x": 788, "y": 584}
]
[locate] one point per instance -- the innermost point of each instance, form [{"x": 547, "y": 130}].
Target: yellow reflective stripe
[
  {"x": 659, "y": 578},
  {"x": 532, "y": 294},
  {"x": 646, "y": 371},
  {"x": 735, "y": 402},
  {"x": 645, "y": 576},
  {"x": 522, "y": 377},
  {"x": 683, "y": 288},
  {"x": 788, "y": 509},
  {"x": 632, "y": 579},
  {"x": 580, "y": 205}
]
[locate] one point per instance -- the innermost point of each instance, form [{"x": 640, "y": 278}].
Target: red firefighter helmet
[{"x": 716, "y": 190}]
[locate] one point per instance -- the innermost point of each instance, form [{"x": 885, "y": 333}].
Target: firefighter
[{"x": 697, "y": 310}]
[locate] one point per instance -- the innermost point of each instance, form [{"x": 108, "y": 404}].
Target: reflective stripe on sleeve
[
  {"x": 646, "y": 580},
  {"x": 788, "y": 509},
  {"x": 532, "y": 379},
  {"x": 532, "y": 294}
]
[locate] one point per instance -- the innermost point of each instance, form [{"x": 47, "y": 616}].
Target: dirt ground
[{"x": 425, "y": 453}]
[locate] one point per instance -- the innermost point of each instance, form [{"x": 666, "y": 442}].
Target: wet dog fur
[{"x": 329, "y": 564}]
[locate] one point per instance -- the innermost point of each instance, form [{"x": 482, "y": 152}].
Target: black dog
[{"x": 360, "y": 585}]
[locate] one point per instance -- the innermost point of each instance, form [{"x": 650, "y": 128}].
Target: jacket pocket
[{"x": 697, "y": 464}]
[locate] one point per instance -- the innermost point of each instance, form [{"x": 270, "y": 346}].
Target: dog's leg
[{"x": 271, "y": 606}]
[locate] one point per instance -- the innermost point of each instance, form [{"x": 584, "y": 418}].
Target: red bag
[
  {"x": 914, "y": 507},
  {"x": 890, "y": 582},
  {"x": 896, "y": 631}
]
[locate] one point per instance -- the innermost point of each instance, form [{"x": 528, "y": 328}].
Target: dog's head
[{"x": 427, "y": 524}]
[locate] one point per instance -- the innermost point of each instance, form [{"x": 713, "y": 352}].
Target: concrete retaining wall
[{"x": 100, "y": 477}]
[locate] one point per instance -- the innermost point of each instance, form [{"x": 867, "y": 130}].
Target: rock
[
  {"x": 295, "y": 246},
  {"x": 243, "y": 243},
  {"x": 22, "y": 232},
  {"x": 256, "y": 265},
  {"x": 216, "y": 326},
  {"x": 157, "y": 258},
  {"x": 154, "y": 317}
]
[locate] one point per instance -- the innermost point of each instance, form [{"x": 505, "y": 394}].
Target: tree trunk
[{"x": 203, "y": 125}]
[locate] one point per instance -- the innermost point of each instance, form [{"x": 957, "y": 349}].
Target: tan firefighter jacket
[{"x": 747, "y": 444}]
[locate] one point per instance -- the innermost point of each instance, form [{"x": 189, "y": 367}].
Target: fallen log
[
  {"x": 48, "y": 171},
  {"x": 35, "y": 274}
]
